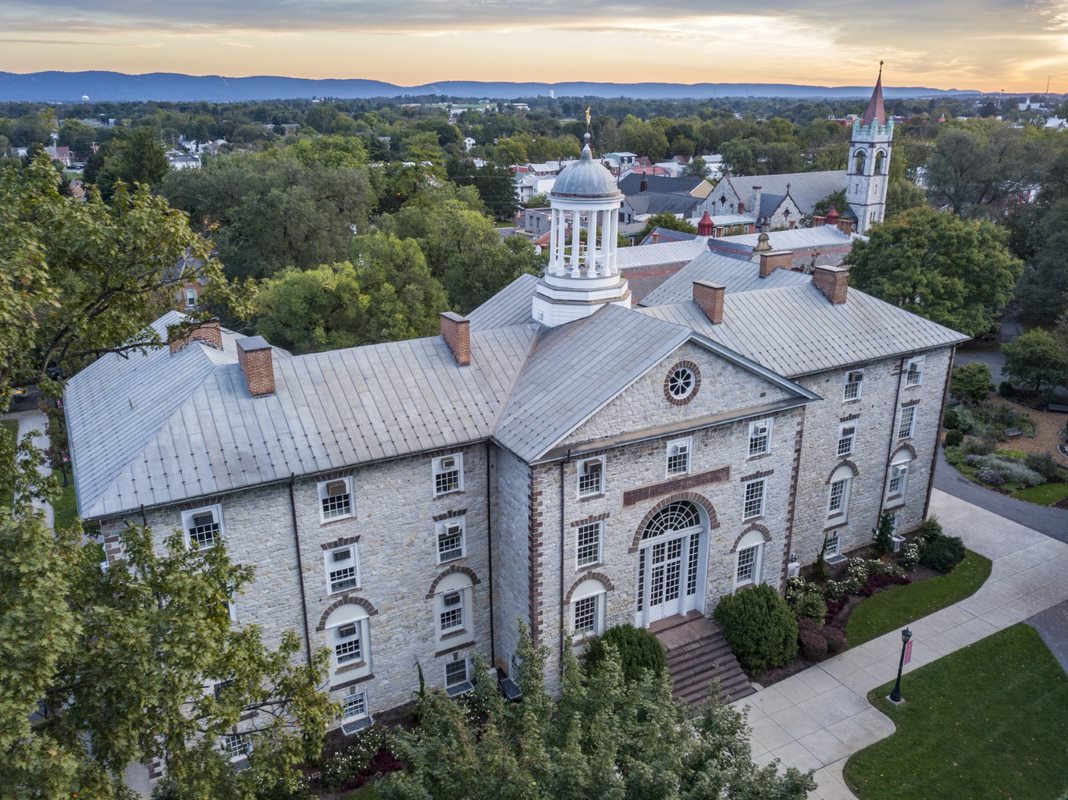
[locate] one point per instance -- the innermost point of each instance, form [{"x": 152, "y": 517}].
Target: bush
[
  {"x": 942, "y": 553},
  {"x": 990, "y": 476},
  {"x": 949, "y": 419},
  {"x": 983, "y": 447},
  {"x": 1014, "y": 471},
  {"x": 344, "y": 768},
  {"x": 910, "y": 555},
  {"x": 835, "y": 638},
  {"x": 759, "y": 627},
  {"x": 811, "y": 606},
  {"x": 1043, "y": 464},
  {"x": 880, "y": 581},
  {"x": 639, "y": 650},
  {"x": 813, "y": 645},
  {"x": 930, "y": 528},
  {"x": 968, "y": 423},
  {"x": 954, "y": 438},
  {"x": 1006, "y": 389}
]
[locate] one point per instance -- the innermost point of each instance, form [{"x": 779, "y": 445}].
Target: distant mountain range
[{"x": 70, "y": 87}]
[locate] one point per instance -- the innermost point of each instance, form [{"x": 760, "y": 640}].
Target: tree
[
  {"x": 667, "y": 220},
  {"x": 901, "y": 195},
  {"x": 1036, "y": 359},
  {"x": 85, "y": 278},
  {"x": 103, "y": 668},
  {"x": 883, "y": 534},
  {"x": 1040, "y": 237},
  {"x": 334, "y": 152},
  {"x": 385, "y": 293},
  {"x": 970, "y": 383},
  {"x": 605, "y": 737},
  {"x": 956, "y": 272},
  {"x": 131, "y": 157}
]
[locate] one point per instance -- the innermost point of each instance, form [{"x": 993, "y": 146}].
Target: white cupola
[{"x": 582, "y": 274}]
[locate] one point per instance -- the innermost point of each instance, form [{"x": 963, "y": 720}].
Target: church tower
[
  {"x": 867, "y": 172},
  {"x": 582, "y": 275}
]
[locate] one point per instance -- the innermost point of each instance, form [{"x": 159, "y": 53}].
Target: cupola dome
[{"x": 586, "y": 178}]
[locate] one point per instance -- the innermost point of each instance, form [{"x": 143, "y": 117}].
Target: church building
[{"x": 558, "y": 457}]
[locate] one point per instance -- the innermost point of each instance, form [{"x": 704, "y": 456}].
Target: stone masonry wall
[{"x": 511, "y": 551}]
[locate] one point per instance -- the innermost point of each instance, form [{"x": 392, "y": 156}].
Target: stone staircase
[{"x": 697, "y": 654}]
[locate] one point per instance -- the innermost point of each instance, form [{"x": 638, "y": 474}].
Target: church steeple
[
  {"x": 867, "y": 172},
  {"x": 876, "y": 111}
]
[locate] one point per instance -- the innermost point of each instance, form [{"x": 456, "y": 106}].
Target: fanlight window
[{"x": 678, "y": 516}]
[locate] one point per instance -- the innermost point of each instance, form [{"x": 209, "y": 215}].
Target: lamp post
[{"x": 895, "y": 696}]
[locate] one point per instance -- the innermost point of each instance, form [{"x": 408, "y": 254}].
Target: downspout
[
  {"x": 144, "y": 516},
  {"x": 893, "y": 439},
  {"x": 300, "y": 571},
  {"x": 938, "y": 429},
  {"x": 563, "y": 545},
  {"x": 489, "y": 547}
]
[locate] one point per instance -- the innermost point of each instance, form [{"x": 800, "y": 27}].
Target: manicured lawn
[
  {"x": 66, "y": 507},
  {"x": 1044, "y": 495},
  {"x": 894, "y": 608},
  {"x": 984, "y": 723},
  {"x": 9, "y": 429}
]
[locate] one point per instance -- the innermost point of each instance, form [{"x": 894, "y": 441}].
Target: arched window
[
  {"x": 897, "y": 484},
  {"x": 674, "y": 518},
  {"x": 749, "y": 563},
  {"x": 453, "y": 607},
  {"x": 348, "y": 636},
  {"x": 841, "y": 484},
  {"x": 858, "y": 162},
  {"x": 587, "y": 609},
  {"x": 880, "y": 159}
]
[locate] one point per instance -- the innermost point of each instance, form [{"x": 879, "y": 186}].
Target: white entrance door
[{"x": 671, "y": 570}]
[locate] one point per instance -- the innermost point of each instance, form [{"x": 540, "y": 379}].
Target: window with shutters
[{"x": 335, "y": 499}]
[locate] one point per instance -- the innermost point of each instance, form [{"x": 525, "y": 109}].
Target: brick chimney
[
  {"x": 456, "y": 331},
  {"x": 209, "y": 332},
  {"x": 709, "y": 297},
  {"x": 655, "y": 236},
  {"x": 643, "y": 186},
  {"x": 254, "y": 356},
  {"x": 758, "y": 192},
  {"x": 833, "y": 282},
  {"x": 774, "y": 259}
]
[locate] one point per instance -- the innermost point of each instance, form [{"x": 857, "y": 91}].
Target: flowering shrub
[
  {"x": 990, "y": 476},
  {"x": 367, "y": 754},
  {"x": 910, "y": 555}
]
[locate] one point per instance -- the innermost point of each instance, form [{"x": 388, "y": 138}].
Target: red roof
[{"x": 876, "y": 110}]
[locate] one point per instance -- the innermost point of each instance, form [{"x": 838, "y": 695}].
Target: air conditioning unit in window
[
  {"x": 336, "y": 488},
  {"x": 203, "y": 519},
  {"x": 678, "y": 450},
  {"x": 896, "y": 542},
  {"x": 448, "y": 463}
]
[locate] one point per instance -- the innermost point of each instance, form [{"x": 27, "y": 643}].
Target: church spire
[{"x": 876, "y": 110}]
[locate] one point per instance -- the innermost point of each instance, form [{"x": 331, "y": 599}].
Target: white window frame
[
  {"x": 599, "y": 556},
  {"x": 918, "y": 362},
  {"x": 239, "y": 752},
  {"x": 859, "y": 383},
  {"x": 329, "y": 560},
  {"x": 593, "y": 590},
  {"x": 443, "y": 529},
  {"x": 763, "y": 498},
  {"x": 338, "y": 639},
  {"x": 832, "y": 544},
  {"x": 454, "y": 687},
  {"x": 676, "y": 449},
  {"x": 323, "y": 489},
  {"x": 842, "y": 509},
  {"x": 439, "y": 467},
  {"x": 340, "y": 617},
  {"x": 852, "y": 437},
  {"x": 755, "y": 434},
  {"x": 582, "y": 470},
  {"x": 187, "y": 525},
  {"x": 353, "y": 722},
  {"x": 752, "y": 544},
  {"x": 903, "y": 431},
  {"x": 190, "y": 298},
  {"x": 453, "y": 607},
  {"x": 459, "y": 585}
]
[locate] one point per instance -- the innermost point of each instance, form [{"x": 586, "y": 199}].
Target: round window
[{"x": 682, "y": 382}]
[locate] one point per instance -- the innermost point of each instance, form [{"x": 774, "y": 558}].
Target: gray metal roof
[
  {"x": 795, "y": 330},
  {"x": 651, "y": 255},
  {"x": 586, "y": 178},
  {"x": 162, "y": 428},
  {"x": 733, "y": 274},
  {"x": 793, "y": 239},
  {"x": 806, "y": 188},
  {"x": 510, "y": 306},
  {"x": 663, "y": 203},
  {"x": 631, "y": 184}
]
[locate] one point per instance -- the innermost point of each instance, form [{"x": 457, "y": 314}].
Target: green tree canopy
[
  {"x": 956, "y": 272},
  {"x": 970, "y": 383},
  {"x": 605, "y": 737},
  {"x": 84, "y": 278},
  {"x": 384, "y": 294},
  {"x": 135, "y": 156},
  {"x": 667, "y": 220},
  {"x": 1040, "y": 237},
  {"x": 1036, "y": 359}
]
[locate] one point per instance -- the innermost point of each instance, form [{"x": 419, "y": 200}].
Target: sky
[{"x": 990, "y": 45}]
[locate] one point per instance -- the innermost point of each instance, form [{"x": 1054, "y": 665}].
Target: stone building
[{"x": 558, "y": 457}]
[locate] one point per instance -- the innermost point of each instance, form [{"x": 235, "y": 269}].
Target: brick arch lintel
[
  {"x": 596, "y": 576},
  {"x": 908, "y": 448},
  {"x": 693, "y": 497},
  {"x": 760, "y": 528},
  {"x": 366, "y": 605},
  {"x": 470, "y": 573},
  {"x": 845, "y": 462}
]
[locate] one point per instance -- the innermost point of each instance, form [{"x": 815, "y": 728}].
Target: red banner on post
[{"x": 908, "y": 651}]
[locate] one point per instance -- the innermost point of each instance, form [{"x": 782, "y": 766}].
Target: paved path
[
  {"x": 818, "y": 718},
  {"x": 34, "y": 420},
  {"x": 1044, "y": 519},
  {"x": 1052, "y": 626}
]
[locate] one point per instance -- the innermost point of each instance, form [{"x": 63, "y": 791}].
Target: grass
[
  {"x": 1045, "y": 494},
  {"x": 364, "y": 793},
  {"x": 65, "y": 508},
  {"x": 984, "y": 723},
  {"x": 894, "y": 608},
  {"x": 9, "y": 429}
]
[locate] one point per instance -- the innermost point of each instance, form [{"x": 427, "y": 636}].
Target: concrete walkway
[
  {"x": 1052, "y": 626},
  {"x": 34, "y": 420},
  {"x": 818, "y": 718}
]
